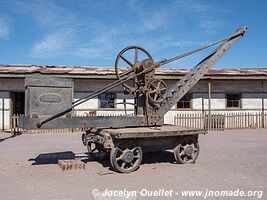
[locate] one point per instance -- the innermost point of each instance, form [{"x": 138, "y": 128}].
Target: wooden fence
[
  {"x": 215, "y": 122},
  {"x": 220, "y": 122}
]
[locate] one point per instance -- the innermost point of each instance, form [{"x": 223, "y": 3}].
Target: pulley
[
  {"x": 135, "y": 64},
  {"x": 157, "y": 91}
]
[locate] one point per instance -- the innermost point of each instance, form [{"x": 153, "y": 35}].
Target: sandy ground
[{"x": 229, "y": 160}]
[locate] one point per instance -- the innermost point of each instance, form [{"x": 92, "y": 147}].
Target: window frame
[
  {"x": 239, "y": 101},
  {"x": 104, "y": 108},
  {"x": 190, "y": 102}
]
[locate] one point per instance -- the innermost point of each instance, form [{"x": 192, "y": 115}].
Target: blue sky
[{"x": 91, "y": 33}]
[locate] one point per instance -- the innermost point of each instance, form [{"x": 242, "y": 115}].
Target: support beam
[
  {"x": 209, "y": 86},
  {"x": 3, "y": 114},
  {"x": 262, "y": 113},
  {"x": 85, "y": 122}
]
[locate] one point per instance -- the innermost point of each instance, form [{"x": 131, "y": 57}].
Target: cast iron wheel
[
  {"x": 126, "y": 157},
  {"x": 133, "y": 65},
  {"x": 187, "y": 150}
]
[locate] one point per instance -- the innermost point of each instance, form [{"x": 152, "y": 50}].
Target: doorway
[{"x": 18, "y": 100}]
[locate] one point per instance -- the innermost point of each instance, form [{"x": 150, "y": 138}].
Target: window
[
  {"x": 107, "y": 100},
  {"x": 185, "y": 102},
  {"x": 233, "y": 100}
]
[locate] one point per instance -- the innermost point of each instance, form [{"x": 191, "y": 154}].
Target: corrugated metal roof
[{"x": 93, "y": 70}]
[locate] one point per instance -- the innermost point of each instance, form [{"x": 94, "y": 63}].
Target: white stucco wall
[
  {"x": 5, "y": 109},
  {"x": 254, "y": 100},
  {"x": 201, "y": 101}
]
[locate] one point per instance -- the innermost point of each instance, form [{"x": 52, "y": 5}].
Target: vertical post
[
  {"x": 209, "y": 83},
  {"x": 203, "y": 113},
  {"x": 3, "y": 114},
  {"x": 202, "y": 102},
  {"x": 209, "y": 94},
  {"x": 262, "y": 112}
]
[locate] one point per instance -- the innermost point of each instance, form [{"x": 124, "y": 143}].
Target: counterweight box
[{"x": 47, "y": 96}]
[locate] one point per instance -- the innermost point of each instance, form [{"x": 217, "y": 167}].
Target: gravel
[{"x": 229, "y": 160}]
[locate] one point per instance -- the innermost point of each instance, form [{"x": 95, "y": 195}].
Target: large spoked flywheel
[{"x": 132, "y": 57}]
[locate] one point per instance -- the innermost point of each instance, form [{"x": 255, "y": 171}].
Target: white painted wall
[
  {"x": 254, "y": 100},
  {"x": 201, "y": 100},
  {"x": 5, "y": 110},
  {"x": 128, "y": 99}
]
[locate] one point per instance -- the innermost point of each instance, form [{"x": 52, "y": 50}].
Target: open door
[{"x": 18, "y": 100}]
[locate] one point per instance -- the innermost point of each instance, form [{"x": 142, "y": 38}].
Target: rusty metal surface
[
  {"x": 183, "y": 86},
  {"x": 148, "y": 132},
  {"x": 46, "y": 96},
  {"x": 46, "y": 69},
  {"x": 127, "y": 77},
  {"x": 91, "y": 70},
  {"x": 84, "y": 122}
]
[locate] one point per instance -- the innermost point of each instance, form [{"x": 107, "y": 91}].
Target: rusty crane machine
[{"x": 127, "y": 137}]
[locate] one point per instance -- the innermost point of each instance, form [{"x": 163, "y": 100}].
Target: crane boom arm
[{"x": 183, "y": 86}]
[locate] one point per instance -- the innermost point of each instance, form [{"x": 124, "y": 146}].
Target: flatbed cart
[
  {"x": 49, "y": 105},
  {"x": 127, "y": 145}
]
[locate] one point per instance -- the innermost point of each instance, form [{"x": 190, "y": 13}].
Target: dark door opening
[{"x": 18, "y": 99}]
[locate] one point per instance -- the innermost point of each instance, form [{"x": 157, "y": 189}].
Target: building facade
[{"x": 223, "y": 90}]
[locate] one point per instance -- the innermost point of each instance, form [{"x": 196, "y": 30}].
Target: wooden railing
[
  {"x": 222, "y": 121},
  {"x": 214, "y": 121},
  {"x": 14, "y": 124}
]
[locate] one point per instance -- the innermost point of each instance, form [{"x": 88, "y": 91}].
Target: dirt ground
[{"x": 230, "y": 160}]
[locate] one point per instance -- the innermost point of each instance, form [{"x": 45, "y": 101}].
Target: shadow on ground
[
  {"x": 102, "y": 158},
  {"x": 158, "y": 157},
  {"x": 52, "y": 158},
  {"x": 148, "y": 158},
  {"x": 9, "y": 137}
]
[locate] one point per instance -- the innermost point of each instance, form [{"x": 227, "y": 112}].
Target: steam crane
[{"x": 126, "y": 138}]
